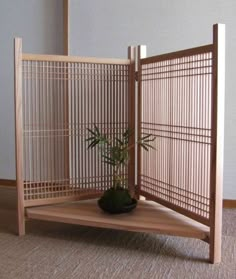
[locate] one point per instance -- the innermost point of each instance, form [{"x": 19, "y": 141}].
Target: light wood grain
[
  {"x": 55, "y": 200},
  {"x": 174, "y": 207},
  {"x": 73, "y": 59},
  {"x": 142, "y": 53},
  {"x": 131, "y": 119},
  {"x": 19, "y": 134},
  {"x": 147, "y": 217},
  {"x": 66, "y": 36},
  {"x": 177, "y": 54},
  {"x": 217, "y": 151}
]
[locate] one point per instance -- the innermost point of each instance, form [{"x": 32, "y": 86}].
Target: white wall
[
  {"x": 105, "y": 28},
  {"x": 40, "y": 24}
]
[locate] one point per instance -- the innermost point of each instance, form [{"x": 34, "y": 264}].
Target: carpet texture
[{"x": 52, "y": 250}]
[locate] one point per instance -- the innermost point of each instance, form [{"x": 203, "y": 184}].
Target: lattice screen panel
[
  {"x": 176, "y": 108},
  {"x": 60, "y": 101}
]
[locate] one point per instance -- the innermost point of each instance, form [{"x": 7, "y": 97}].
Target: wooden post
[
  {"x": 66, "y": 33},
  {"x": 217, "y": 148},
  {"x": 19, "y": 135},
  {"x": 66, "y": 26},
  {"x": 142, "y": 53},
  {"x": 131, "y": 116}
]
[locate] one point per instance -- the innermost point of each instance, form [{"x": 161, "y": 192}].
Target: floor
[{"x": 51, "y": 250}]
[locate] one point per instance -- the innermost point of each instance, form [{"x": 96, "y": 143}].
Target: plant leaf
[
  {"x": 93, "y": 143},
  {"x": 97, "y": 130},
  {"x": 128, "y": 132},
  {"x": 149, "y": 140},
  {"x": 119, "y": 141},
  {"x": 143, "y": 146},
  {"x": 92, "y": 132},
  {"x": 91, "y": 138},
  {"x": 145, "y": 137},
  {"x": 148, "y": 145}
]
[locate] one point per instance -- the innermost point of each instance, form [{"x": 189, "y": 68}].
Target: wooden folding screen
[
  {"x": 57, "y": 99},
  {"x": 181, "y": 102}
]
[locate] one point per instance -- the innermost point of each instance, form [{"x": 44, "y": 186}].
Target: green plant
[{"x": 115, "y": 150}]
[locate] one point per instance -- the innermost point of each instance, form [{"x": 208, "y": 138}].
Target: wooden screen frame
[
  {"x": 217, "y": 145},
  {"x": 217, "y": 152},
  {"x": 19, "y": 135},
  {"x": 115, "y": 65},
  {"x": 218, "y": 66},
  {"x": 162, "y": 58}
]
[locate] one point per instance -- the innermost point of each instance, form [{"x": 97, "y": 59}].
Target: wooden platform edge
[{"x": 68, "y": 213}]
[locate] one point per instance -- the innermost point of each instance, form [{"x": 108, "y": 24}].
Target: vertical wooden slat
[
  {"x": 217, "y": 147},
  {"x": 47, "y": 117},
  {"x": 19, "y": 135},
  {"x": 131, "y": 118},
  {"x": 66, "y": 26}
]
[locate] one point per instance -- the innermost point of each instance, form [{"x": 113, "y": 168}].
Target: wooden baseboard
[
  {"x": 12, "y": 183},
  {"x": 7, "y": 182},
  {"x": 229, "y": 203}
]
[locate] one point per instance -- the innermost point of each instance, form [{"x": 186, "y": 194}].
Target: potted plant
[{"x": 115, "y": 152}]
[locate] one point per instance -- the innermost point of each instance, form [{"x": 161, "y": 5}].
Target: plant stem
[{"x": 116, "y": 177}]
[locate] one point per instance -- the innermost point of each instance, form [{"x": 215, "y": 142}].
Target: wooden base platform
[{"x": 147, "y": 217}]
